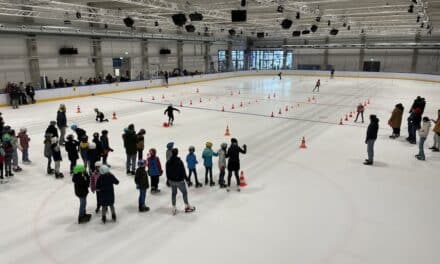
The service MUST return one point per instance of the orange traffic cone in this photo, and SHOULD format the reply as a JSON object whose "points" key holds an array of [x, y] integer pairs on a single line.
{"points": [[242, 180], [232, 93], [200, 99], [346, 117], [279, 112], [239, 92], [340, 122], [190, 102], [114, 116], [313, 98], [181, 104], [268, 97], [274, 95], [233, 107], [78, 110], [351, 114], [152, 98], [227, 133], [303, 143], [165, 124], [223, 108], [163, 96], [308, 99], [241, 104], [287, 108], [271, 115], [197, 90]]}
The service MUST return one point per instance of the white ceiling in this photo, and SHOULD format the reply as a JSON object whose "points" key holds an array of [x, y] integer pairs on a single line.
{"points": [[386, 18]]}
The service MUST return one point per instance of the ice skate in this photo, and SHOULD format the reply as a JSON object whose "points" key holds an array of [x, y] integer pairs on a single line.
{"points": [[419, 157], [212, 184], [114, 217], [50, 171], [190, 184], [238, 189], [368, 162], [174, 210], [104, 219], [143, 209], [198, 185], [189, 209]]}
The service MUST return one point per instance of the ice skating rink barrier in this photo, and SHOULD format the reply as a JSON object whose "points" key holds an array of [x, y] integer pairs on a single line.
{"points": [[81, 91]]}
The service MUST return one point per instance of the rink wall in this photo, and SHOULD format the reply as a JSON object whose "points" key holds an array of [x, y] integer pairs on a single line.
{"points": [[82, 91]]}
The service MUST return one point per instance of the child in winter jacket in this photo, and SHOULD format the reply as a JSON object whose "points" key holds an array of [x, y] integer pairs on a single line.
{"points": [[191, 161], [24, 139], [71, 146], [81, 182], [98, 145], [57, 158], [154, 170], [140, 143], [423, 134], [436, 146], [14, 144], [141, 180], [2, 160], [360, 111], [92, 156], [93, 180], [222, 164], [48, 152], [207, 155], [105, 147], [104, 185], [233, 154], [83, 150], [168, 155]]}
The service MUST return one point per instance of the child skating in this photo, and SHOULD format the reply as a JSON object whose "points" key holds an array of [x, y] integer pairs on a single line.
{"points": [[81, 182], [222, 164], [104, 186], [191, 161], [233, 154], [317, 85], [207, 155], [100, 116], [170, 111], [142, 184], [72, 147], [154, 170], [24, 140]]}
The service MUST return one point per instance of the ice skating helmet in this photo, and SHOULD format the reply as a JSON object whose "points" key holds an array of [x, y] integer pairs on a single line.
{"points": [[175, 152], [152, 152], [104, 132], [141, 163], [73, 127], [126, 130], [234, 140], [142, 131], [170, 145], [98, 164], [209, 144], [104, 169], [92, 145], [62, 107], [224, 145], [131, 127], [54, 140], [52, 123], [96, 110], [191, 149], [79, 169], [96, 134]]}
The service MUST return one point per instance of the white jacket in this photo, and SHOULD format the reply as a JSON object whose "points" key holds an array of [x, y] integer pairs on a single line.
{"points": [[424, 130]]}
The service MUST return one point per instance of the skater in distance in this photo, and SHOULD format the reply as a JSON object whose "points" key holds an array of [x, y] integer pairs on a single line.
{"points": [[170, 111]]}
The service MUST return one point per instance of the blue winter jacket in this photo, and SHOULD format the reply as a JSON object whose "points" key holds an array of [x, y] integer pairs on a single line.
{"points": [[207, 157], [191, 160]]}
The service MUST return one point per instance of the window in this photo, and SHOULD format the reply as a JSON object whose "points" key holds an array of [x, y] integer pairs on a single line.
{"points": [[237, 60], [222, 65], [270, 59]]}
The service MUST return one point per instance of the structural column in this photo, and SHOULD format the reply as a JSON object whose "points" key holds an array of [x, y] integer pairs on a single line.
{"points": [[97, 57], [248, 54], [362, 54], [229, 57], [284, 54], [34, 64], [207, 57], [180, 55], [325, 57], [415, 55], [145, 59]]}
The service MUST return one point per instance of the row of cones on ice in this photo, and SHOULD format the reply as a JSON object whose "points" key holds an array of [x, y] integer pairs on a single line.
{"points": [[78, 111], [351, 114]]}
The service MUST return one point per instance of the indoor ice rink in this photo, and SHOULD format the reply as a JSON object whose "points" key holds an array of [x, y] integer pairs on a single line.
{"points": [[307, 193]]}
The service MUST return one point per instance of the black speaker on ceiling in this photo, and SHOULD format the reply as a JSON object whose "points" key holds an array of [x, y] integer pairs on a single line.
{"points": [[190, 28], [179, 19], [305, 32], [334, 32], [68, 51], [164, 51], [260, 34], [128, 21], [156, 24], [232, 32], [238, 15], [314, 28], [78, 15], [286, 23], [196, 16], [298, 15], [318, 19], [243, 3], [296, 33]]}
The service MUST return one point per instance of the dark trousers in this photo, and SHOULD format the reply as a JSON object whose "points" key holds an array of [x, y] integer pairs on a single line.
{"points": [[221, 178], [208, 170], [1, 170], [236, 177], [190, 172], [8, 167], [412, 129], [154, 182], [142, 197], [72, 165], [396, 131], [140, 154], [104, 159], [362, 115]]}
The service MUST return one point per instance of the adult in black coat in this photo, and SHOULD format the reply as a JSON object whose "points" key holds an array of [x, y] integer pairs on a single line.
{"points": [[176, 176], [372, 130], [130, 139], [104, 186], [170, 111], [233, 154], [81, 182], [80, 133], [62, 122], [30, 91], [52, 130]]}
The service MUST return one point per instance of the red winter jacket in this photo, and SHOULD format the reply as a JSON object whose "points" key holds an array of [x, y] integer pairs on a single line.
{"points": [[24, 140]]}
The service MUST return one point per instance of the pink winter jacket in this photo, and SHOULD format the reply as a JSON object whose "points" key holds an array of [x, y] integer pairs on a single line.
{"points": [[24, 140], [94, 180]]}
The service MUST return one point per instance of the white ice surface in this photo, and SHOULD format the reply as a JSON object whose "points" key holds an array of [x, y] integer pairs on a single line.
{"points": [[314, 205]]}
